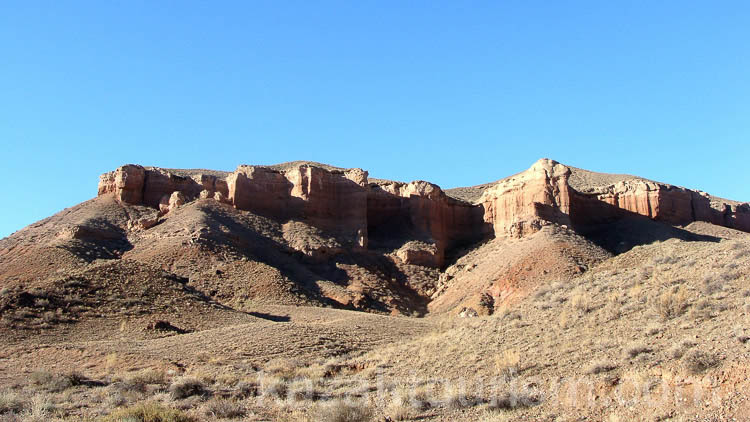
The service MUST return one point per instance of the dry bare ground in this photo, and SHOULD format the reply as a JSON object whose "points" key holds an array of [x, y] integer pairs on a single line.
{"points": [[657, 333]]}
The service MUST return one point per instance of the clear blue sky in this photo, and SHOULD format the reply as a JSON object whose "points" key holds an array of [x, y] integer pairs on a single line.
{"points": [[457, 93]]}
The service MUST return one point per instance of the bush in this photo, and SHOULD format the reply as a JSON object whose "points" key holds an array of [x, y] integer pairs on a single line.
{"points": [[678, 350], [55, 383], [636, 349], [148, 412], [185, 387], [671, 303], [224, 409], [697, 361], [508, 364], [10, 402], [343, 411], [600, 367]]}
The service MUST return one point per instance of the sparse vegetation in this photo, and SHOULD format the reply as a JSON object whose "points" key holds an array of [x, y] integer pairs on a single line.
{"points": [[148, 412], [671, 303], [344, 411], [508, 364], [697, 361], [223, 408], [600, 367], [185, 387]]}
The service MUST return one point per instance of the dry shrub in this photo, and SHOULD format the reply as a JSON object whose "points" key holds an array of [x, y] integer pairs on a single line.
{"points": [[223, 409], [508, 363], [565, 320], [146, 377], [275, 387], [678, 350], [185, 387], [10, 402], [148, 412], [283, 368], [344, 411], [245, 389], [457, 398], [601, 367], [702, 309], [697, 361], [509, 400], [671, 303], [581, 301], [636, 349], [55, 382], [397, 410]]}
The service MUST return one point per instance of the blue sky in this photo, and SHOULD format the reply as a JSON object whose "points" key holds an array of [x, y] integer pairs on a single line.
{"points": [[457, 93]]}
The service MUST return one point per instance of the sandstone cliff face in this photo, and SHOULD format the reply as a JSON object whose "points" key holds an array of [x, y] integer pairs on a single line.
{"points": [[522, 204], [342, 204], [393, 216], [661, 202]]}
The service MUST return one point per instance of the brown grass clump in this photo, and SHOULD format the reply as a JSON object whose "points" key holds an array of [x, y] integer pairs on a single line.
{"points": [[185, 387], [581, 301], [55, 383], [600, 367], [671, 303], [148, 412], [344, 411], [697, 361], [636, 349], [679, 350], [224, 409], [508, 363], [10, 402]]}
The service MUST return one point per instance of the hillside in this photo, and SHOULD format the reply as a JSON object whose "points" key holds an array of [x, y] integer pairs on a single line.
{"points": [[260, 282]]}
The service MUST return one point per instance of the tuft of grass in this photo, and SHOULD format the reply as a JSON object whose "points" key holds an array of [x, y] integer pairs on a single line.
{"points": [[344, 411], [600, 367], [671, 303], [508, 364], [185, 387], [55, 383], [148, 412], [679, 350], [636, 349], [581, 301], [10, 402], [223, 409], [697, 361]]}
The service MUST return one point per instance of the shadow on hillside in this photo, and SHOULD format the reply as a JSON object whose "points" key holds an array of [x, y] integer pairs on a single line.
{"points": [[270, 317], [617, 230]]}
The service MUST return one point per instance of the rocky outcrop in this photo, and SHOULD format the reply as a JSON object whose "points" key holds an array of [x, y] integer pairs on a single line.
{"points": [[522, 204], [658, 201], [343, 204], [421, 210], [126, 183], [541, 195]]}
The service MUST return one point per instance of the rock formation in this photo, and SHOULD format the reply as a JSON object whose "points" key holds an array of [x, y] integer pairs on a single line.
{"points": [[417, 220]]}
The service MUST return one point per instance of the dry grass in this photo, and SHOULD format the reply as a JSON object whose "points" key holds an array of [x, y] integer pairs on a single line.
{"points": [[148, 412], [636, 349], [671, 303], [697, 361], [508, 364], [224, 409], [344, 411], [581, 300], [185, 387], [11, 402], [600, 367]]}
